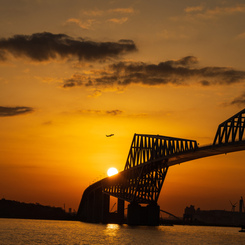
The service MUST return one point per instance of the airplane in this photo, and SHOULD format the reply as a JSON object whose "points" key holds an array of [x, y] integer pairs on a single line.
{"points": [[109, 135]]}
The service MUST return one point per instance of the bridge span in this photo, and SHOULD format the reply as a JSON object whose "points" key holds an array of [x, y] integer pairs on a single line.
{"points": [[146, 167]]}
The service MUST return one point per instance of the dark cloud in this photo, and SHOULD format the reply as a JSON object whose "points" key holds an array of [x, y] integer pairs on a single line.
{"points": [[114, 112], [46, 46], [102, 112], [240, 100], [178, 72], [14, 111], [2, 55], [205, 83], [47, 123], [75, 80]]}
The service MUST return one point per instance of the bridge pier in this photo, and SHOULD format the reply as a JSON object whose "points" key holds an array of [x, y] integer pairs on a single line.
{"points": [[138, 215], [105, 209], [95, 208], [120, 211], [107, 216]]}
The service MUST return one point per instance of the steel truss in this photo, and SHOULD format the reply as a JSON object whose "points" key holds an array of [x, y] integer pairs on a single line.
{"points": [[145, 170], [231, 130]]}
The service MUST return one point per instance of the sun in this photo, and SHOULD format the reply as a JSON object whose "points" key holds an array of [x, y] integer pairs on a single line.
{"points": [[112, 171]]}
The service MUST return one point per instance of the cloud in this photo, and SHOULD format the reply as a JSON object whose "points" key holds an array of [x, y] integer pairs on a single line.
{"points": [[96, 93], [194, 9], [239, 8], [240, 100], [93, 12], [118, 21], [177, 72], [83, 24], [102, 112], [75, 80], [109, 11], [47, 46], [205, 83], [2, 55], [47, 123], [114, 112], [122, 10], [96, 18], [173, 35], [209, 13], [14, 111], [241, 36]]}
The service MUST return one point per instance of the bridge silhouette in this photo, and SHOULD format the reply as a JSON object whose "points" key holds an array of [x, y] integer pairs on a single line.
{"points": [[147, 164]]}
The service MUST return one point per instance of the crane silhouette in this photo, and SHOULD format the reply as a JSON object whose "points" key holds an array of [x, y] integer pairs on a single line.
{"points": [[233, 206]]}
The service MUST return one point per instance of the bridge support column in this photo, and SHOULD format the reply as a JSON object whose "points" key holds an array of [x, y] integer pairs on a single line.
{"points": [[90, 208], [120, 211], [107, 216], [153, 214], [93, 207], [138, 215], [133, 217], [105, 208], [97, 206]]}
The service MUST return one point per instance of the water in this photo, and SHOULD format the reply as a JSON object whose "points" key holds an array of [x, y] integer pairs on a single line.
{"points": [[19, 231]]}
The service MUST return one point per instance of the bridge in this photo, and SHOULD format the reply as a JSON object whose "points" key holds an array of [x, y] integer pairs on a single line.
{"points": [[147, 164]]}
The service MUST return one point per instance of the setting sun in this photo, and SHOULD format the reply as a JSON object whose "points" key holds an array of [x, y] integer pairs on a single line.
{"points": [[112, 171]]}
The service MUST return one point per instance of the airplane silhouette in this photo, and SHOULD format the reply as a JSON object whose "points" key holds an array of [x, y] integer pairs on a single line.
{"points": [[109, 135]]}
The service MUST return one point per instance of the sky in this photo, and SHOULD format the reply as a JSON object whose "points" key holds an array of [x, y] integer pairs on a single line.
{"points": [[73, 71]]}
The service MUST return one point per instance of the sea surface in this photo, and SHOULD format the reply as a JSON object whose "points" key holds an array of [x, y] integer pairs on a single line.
{"points": [[20, 231]]}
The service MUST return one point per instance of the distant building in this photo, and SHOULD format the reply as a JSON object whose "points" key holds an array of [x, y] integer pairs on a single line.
{"points": [[189, 214], [213, 217]]}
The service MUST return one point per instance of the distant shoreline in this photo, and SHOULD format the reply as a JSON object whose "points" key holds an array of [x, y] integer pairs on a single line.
{"points": [[10, 209], [21, 210]]}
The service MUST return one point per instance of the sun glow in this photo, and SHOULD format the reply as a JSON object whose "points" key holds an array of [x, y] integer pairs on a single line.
{"points": [[112, 171]]}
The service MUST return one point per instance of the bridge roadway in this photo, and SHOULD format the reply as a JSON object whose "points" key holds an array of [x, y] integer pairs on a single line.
{"points": [[148, 161], [205, 151], [178, 158]]}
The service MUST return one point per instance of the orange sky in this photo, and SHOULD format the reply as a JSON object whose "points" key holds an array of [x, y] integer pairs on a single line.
{"points": [[73, 71]]}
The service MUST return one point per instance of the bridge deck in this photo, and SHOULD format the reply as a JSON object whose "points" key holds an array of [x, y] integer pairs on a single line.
{"points": [[205, 151], [201, 152]]}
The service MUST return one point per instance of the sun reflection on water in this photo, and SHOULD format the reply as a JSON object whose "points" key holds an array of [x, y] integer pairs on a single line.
{"points": [[111, 229]]}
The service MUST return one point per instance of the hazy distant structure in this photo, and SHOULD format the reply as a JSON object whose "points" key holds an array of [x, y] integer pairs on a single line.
{"points": [[241, 205], [214, 217], [189, 214], [233, 206], [145, 170]]}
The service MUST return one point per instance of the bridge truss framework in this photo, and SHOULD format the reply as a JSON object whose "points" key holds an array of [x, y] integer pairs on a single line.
{"points": [[145, 170]]}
